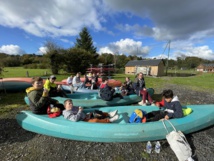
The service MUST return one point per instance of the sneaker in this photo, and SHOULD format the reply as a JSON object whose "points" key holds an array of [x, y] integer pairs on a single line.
{"points": [[114, 118], [113, 113], [152, 104], [141, 103]]}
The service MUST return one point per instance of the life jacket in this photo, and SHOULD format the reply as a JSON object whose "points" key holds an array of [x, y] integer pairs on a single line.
{"points": [[138, 116]]}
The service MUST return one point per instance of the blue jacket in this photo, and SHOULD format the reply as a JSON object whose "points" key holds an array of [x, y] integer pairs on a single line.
{"points": [[173, 108]]}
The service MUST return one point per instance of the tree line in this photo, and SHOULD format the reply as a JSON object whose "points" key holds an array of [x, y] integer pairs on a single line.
{"points": [[82, 56]]}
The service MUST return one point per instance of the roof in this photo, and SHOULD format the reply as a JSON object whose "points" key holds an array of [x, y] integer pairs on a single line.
{"points": [[208, 65], [151, 62]]}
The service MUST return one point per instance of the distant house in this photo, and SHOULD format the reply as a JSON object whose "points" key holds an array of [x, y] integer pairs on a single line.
{"points": [[205, 68], [154, 67]]}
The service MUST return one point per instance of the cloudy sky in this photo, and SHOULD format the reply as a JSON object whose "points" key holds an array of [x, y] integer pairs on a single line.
{"points": [[131, 27]]}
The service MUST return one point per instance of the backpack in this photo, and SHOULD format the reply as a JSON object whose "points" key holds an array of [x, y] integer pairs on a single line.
{"points": [[178, 144], [106, 94], [138, 116]]}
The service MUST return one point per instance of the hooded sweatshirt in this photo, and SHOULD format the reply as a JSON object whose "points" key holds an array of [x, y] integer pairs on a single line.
{"points": [[38, 102], [74, 114], [173, 108]]}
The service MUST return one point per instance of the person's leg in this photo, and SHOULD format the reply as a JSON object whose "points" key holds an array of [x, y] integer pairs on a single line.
{"points": [[105, 114], [149, 97], [99, 120], [156, 115], [143, 93]]}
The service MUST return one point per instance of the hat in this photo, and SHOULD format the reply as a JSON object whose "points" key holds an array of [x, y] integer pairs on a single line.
{"points": [[52, 77]]}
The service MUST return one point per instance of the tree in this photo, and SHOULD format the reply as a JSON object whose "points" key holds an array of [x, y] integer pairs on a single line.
{"points": [[85, 42], [76, 60], [54, 54], [122, 60], [106, 58]]}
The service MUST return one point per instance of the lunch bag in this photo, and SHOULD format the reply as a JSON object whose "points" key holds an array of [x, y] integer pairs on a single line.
{"points": [[138, 116], [178, 143]]}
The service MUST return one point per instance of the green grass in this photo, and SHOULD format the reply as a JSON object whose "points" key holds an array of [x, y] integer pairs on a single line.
{"points": [[200, 82], [11, 101], [22, 72]]}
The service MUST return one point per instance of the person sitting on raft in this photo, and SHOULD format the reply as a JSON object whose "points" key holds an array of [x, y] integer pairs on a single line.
{"points": [[54, 89], [74, 113], [173, 108], [39, 99]]}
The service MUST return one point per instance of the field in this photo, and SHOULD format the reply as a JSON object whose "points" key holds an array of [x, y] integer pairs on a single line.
{"points": [[19, 144], [199, 81]]}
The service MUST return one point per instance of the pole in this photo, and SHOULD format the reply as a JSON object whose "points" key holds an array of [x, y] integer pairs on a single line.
{"points": [[167, 63]]}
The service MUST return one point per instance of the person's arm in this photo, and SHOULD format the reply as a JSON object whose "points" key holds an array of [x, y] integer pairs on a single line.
{"points": [[47, 85], [37, 100], [69, 81], [73, 117], [178, 113]]}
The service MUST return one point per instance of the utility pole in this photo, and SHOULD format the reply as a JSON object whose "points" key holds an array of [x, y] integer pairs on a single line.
{"points": [[167, 63]]}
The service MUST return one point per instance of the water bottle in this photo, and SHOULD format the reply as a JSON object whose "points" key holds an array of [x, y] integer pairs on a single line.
{"points": [[149, 147], [157, 147]]}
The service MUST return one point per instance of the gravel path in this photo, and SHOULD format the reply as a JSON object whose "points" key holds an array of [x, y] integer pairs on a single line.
{"points": [[18, 144]]}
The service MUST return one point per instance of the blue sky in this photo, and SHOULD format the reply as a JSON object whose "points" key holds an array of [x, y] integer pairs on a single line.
{"points": [[138, 27]]}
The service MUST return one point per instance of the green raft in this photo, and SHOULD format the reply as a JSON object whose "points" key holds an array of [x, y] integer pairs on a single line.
{"points": [[120, 131]]}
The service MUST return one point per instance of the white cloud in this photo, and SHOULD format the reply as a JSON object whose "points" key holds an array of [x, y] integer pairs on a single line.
{"points": [[11, 49], [42, 50], [203, 52], [50, 17], [126, 46], [170, 19]]}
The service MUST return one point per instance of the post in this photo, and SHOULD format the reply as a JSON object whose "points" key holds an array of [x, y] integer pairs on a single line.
{"points": [[46, 73], [167, 58], [27, 74]]}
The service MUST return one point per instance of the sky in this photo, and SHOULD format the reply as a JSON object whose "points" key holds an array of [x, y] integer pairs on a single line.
{"points": [[146, 28]]}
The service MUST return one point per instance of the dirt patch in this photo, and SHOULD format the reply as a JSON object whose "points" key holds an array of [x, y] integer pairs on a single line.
{"points": [[18, 144]]}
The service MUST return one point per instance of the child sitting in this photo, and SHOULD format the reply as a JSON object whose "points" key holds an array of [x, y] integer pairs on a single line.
{"points": [[173, 108], [74, 113], [106, 92], [39, 98]]}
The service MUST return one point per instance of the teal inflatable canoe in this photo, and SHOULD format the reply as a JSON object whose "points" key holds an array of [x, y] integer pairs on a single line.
{"points": [[87, 100], [119, 131]]}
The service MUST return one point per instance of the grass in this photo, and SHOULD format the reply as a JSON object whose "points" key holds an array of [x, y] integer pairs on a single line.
{"points": [[199, 82], [10, 72], [11, 101]]}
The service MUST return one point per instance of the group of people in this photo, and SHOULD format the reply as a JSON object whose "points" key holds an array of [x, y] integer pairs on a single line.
{"points": [[138, 87], [90, 81], [40, 99]]}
